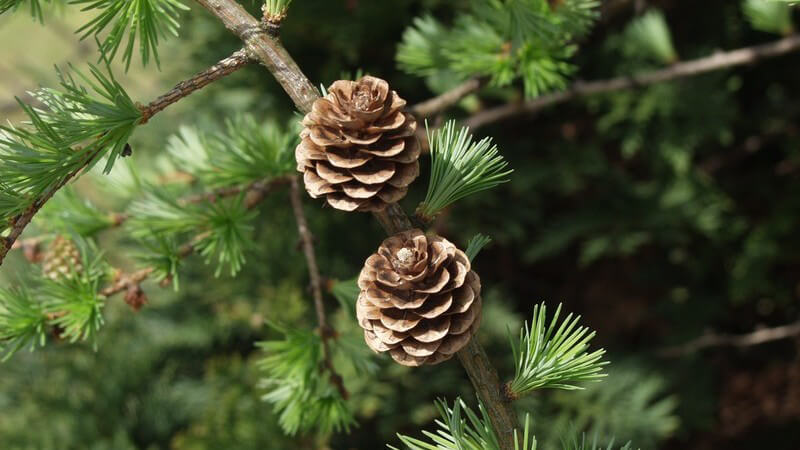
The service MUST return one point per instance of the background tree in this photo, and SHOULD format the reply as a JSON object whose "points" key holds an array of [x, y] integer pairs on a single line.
{"points": [[631, 203]]}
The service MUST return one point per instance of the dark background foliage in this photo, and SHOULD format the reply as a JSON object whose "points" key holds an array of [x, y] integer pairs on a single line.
{"points": [[657, 213]]}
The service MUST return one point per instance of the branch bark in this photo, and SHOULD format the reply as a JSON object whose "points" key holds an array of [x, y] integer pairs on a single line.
{"points": [[742, 340], [441, 102], [716, 61], [183, 89], [269, 50]]}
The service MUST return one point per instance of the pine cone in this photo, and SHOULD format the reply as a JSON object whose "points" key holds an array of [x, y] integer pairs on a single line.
{"points": [[419, 299], [359, 148], [61, 259]]}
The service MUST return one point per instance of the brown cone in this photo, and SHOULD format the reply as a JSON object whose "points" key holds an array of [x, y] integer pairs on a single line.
{"points": [[419, 300], [62, 259], [358, 147]]}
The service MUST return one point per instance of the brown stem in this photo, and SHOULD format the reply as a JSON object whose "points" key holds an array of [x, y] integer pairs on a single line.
{"points": [[307, 240], [741, 340], [271, 53], [441, 102], [326, 331], [183, 89], [716, 61], [255, 192]]}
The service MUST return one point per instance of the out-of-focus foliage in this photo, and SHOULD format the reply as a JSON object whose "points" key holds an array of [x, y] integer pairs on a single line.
{"points": [[504, 40], [769, 15]]}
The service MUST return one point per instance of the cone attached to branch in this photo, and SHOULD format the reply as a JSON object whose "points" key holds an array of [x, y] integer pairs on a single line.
{"points": [[62, 259], [358, 148], [420, 301]]}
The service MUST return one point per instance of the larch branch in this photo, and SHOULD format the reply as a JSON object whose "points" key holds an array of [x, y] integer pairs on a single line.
{"points": [[717, 61], [219, 70], [441, 102], [710, 340]]}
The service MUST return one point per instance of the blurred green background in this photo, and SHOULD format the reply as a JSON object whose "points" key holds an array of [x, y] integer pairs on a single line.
{"points": [[658, 214]]}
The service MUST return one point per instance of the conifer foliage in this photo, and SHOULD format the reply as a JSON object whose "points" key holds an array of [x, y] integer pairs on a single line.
{"points": [[418, 299]]}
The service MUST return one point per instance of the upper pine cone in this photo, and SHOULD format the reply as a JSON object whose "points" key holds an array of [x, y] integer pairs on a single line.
{"points": [[358, 147], [419, 299]]}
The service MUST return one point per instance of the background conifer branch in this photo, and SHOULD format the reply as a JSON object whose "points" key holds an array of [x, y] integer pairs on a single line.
{"points": [[716, 61], [449, 98], [711, 340]]}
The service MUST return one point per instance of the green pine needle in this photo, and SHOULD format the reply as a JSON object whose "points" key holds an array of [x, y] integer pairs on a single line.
{"points": [[346, 292], [769, 15], [151, 20], [69, 211], [230, 226], [248, 151], [554, 356], [300, 393], [36, 7], [22, 321], [275, 10], [220, 230], [163, 254], [476, 244], [70, 303], [78, 125], [502, 41], [649, 35], [460, 428], [460, 167], [74, 302]]}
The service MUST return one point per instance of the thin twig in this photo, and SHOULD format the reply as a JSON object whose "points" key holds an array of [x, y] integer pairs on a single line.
{"points": [[254, 191], [200, 80], [307, 239], [219, 70], [733, 340], [441, 102], [716, 61], [270, 52]]}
